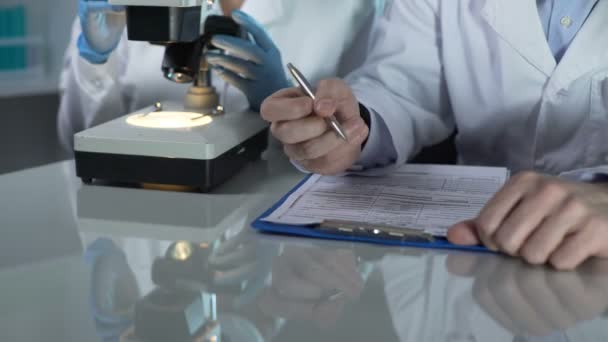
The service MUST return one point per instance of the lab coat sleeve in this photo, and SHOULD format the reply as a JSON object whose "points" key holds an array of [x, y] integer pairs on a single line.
{"points": [[402, 81], [591, 175], [91, 94], [379, 149]]}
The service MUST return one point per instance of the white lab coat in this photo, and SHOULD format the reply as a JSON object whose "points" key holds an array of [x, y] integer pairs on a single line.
{"points": [[485, 67], [308, 33]]}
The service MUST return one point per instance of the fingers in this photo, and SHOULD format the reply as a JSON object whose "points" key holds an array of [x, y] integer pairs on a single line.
{"points": [[300, 130], [542, 219], [484, 292], [331, 165], [241, 67], [464, 233], [289, 284], [344, 263], [577, 299], [579, 246], [464, 264], [293, 92], [332, 89], [525, 217], [496, 210], [233, 78], [285, 105], [513, 300], [533, 300], [235, 275], [340, 159], [317, 147], [239, 47], [550, 234], [256, 30], [534, 285], [335, 97], [308, 274]]}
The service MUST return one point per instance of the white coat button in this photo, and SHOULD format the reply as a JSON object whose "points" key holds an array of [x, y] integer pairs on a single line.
{"points": [[566, 21]]}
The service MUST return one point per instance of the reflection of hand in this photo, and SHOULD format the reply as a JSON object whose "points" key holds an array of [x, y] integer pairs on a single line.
{"points": [[542, 219], [531, 300], [234, 260], [312, 284]]}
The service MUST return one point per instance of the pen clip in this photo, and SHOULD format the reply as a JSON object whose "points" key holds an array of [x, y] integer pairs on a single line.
{"points": [[379, 231]]}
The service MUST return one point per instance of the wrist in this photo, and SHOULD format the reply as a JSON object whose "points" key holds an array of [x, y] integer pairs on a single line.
{"points": [[89, 53]]}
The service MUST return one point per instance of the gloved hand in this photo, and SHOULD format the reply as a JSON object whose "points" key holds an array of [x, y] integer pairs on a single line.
{"points": [[102, 26], [253, 66]]}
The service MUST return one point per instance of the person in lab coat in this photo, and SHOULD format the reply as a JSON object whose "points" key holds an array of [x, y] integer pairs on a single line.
{"points": [[106, 76], [525, 83]]}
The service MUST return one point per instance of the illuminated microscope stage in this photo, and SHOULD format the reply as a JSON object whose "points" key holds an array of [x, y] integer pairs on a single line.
{"points": [[172, 146]]}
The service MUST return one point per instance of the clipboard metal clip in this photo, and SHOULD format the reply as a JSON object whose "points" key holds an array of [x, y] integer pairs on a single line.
{"points": [[377, 231]]}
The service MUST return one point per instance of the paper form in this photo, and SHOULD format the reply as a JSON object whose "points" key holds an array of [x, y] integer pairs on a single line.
{"points": [[426, 197]]}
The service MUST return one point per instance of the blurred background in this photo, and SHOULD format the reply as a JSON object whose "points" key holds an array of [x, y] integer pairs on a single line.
{"points": [[33, 38]]}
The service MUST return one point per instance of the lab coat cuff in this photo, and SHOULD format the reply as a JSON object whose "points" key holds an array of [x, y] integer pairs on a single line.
{"points": [[371, 95], [303, 170], [298, 166], [597, 174], [367, 158], [378, 155]]}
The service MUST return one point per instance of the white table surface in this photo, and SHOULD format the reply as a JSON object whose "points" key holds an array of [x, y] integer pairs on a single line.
{"points": [[267, 288]]}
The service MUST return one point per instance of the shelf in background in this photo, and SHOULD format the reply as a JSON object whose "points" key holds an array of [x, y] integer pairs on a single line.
{"points": [[32, 40], [48, 33], [19, 88]]}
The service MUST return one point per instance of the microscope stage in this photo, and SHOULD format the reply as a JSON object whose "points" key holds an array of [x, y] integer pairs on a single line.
{"points": [[173, 146]]}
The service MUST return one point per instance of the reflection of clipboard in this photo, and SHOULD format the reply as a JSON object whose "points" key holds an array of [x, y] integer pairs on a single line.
{"points": [[352, 231]]}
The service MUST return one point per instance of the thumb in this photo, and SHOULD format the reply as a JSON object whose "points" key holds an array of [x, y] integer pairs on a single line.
{"points": [[335, 97], [464, 233]]}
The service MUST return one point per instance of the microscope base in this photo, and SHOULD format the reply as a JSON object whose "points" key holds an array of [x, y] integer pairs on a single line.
{"points": [[201, 174]]}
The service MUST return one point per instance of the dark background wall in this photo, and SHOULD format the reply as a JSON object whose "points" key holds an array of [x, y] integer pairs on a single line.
{"points": [[28, 136]]}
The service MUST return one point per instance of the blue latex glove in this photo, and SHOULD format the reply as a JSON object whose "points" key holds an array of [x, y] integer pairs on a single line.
{"points": [[102, 26], [253, 66]]}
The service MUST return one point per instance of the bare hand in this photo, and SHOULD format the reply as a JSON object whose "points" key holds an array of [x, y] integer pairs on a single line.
{"points": [[298, 122], [542, 219]]}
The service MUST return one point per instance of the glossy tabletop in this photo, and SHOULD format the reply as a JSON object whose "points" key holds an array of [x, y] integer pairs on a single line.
{"points": [[106, 263]]}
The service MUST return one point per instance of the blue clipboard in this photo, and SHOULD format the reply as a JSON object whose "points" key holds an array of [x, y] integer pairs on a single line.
{"points": [[308, 231]]}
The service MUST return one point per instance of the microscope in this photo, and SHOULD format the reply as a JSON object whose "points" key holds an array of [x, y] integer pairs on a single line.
{"points": [[189, 303], [195, 143]]}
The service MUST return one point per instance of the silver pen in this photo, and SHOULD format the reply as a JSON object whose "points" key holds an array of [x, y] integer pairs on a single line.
{"points": [[305, 86]]}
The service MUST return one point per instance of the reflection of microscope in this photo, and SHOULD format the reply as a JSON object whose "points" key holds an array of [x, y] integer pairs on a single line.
{"points": [[174, 310], [186, 304], [193, 143]]}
